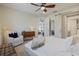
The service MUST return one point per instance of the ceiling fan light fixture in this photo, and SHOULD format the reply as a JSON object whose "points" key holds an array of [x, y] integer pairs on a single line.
{"points": [[42, 8], [45, 10]]}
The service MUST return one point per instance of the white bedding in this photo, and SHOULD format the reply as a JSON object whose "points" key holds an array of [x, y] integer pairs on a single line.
{"points": [[53, 47], [75, 49]]}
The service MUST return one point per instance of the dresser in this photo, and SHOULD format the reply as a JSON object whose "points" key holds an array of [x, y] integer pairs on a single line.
{"points": [[28, 35]]}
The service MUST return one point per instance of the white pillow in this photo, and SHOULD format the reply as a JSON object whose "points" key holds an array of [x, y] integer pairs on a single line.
{"points": [[75, 39], [37, 42], [68, 40], [67, 43], [75, 49]]}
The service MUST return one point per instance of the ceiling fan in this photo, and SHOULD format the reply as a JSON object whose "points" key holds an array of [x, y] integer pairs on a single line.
{"points": [[43, 6]]}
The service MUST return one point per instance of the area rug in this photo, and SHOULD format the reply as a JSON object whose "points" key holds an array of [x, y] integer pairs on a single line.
{"points": [[7, 50]]}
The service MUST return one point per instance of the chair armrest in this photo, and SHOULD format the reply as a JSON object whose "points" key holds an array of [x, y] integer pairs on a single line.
{"points": [[21, 37]]}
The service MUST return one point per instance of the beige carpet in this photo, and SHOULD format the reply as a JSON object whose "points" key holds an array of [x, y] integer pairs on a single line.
{"points": [[20, 50]]}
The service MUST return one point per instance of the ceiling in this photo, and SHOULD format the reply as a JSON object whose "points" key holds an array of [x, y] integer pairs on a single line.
{"points": [[27, 7]]}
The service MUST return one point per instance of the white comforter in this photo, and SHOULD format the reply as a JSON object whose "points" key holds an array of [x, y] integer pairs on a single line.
{"points": [[75, 50], [53, 47]]}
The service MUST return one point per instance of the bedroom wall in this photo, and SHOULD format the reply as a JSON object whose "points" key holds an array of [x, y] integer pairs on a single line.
{"points": [[59, 17], [13, 20], [0, 28], [46, 20]]}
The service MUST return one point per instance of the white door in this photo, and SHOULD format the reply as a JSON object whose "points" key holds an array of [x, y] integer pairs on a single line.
{"points": [[72, 25]]}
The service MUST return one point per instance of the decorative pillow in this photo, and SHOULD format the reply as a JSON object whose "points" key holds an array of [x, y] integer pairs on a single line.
{"points": [[66, 43], [75, 49], [13, 35], [69, 40], [75, 39], [38, 42]]}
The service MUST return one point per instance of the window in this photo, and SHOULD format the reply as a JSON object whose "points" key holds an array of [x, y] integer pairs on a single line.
{"points": [[41, 27]]}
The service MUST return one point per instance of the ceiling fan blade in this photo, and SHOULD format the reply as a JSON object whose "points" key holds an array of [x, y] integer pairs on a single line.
{"points": [[43, 4], [50, 6], [37, 9], [35, 4]]}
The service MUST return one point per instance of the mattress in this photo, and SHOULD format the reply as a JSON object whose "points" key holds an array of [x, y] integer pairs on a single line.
{"points": [[53, 47]]}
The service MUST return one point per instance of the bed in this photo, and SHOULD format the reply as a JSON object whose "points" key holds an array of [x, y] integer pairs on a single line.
{"points": [[53, 47]]}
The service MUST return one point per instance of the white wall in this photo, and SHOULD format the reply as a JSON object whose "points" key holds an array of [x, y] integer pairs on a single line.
{"points": [[46, 26], [19, 21], [0, 36], [0, 28], [58, 17], [58, 26], [14, 20], [50, 17]]}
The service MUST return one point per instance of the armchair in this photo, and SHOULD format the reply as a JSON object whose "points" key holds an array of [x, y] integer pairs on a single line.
{"points": [[15, 41]]}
